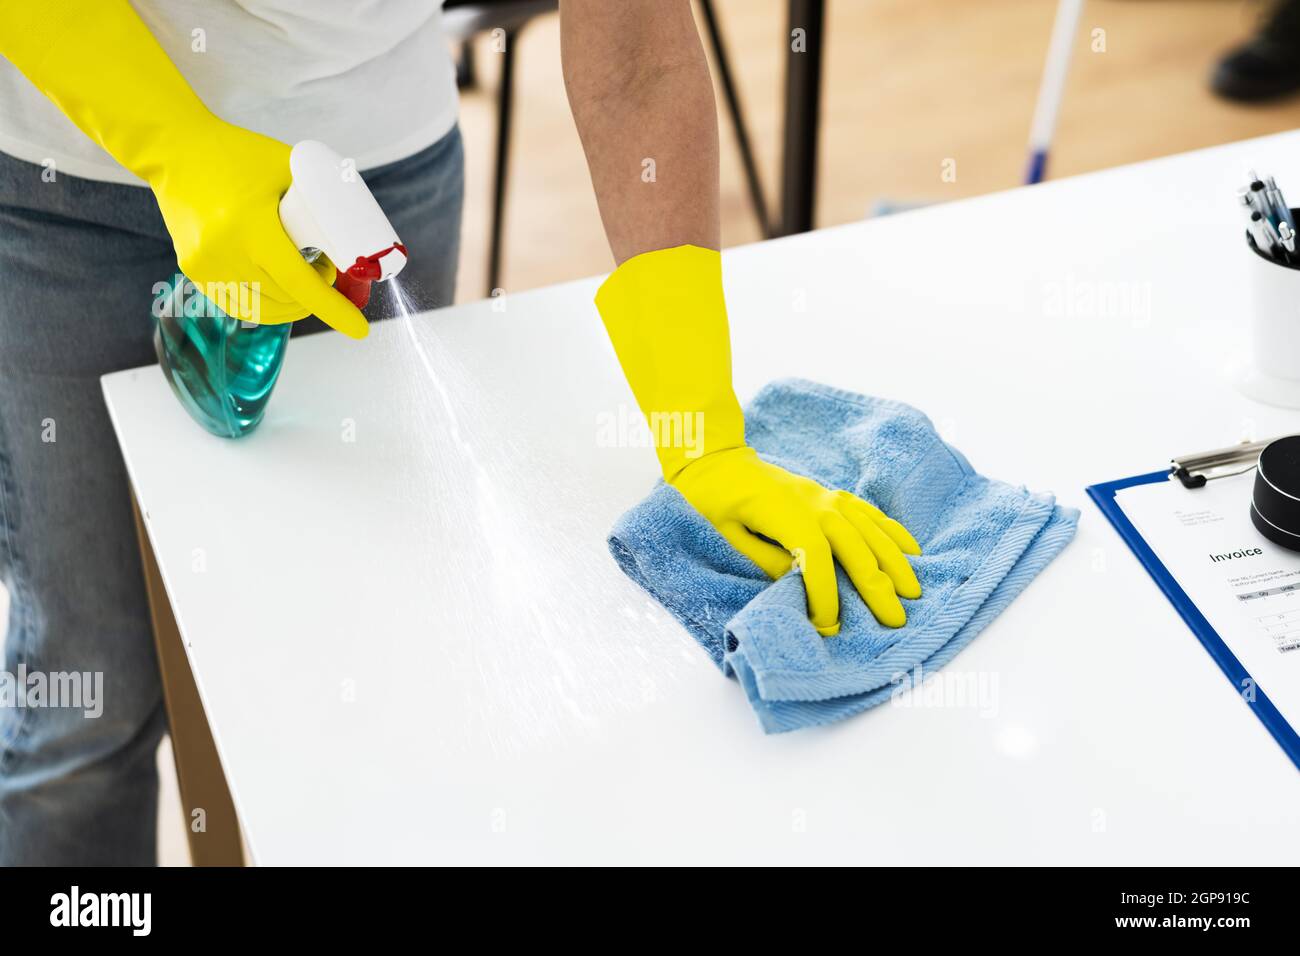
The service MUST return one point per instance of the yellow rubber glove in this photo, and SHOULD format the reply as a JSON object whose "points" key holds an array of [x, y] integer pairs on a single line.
{"points": [[218, 186], [667, 320]]}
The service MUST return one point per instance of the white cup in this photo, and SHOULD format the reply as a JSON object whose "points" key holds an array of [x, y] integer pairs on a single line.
{"points": [[1273, 374]]}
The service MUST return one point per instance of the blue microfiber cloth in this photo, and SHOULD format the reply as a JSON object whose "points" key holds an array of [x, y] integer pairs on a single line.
{"points": [[983, 542]]}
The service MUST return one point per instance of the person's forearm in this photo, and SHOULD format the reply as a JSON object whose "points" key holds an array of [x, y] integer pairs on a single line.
{"points": [[642, 99], [66, 49]]}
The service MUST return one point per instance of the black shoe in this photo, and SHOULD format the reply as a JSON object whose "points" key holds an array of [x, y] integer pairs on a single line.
{"points": [[1267, 66]]}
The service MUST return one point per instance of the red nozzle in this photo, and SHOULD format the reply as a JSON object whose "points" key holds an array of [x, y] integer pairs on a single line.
{"points": [[354, 281], [357, 291]]}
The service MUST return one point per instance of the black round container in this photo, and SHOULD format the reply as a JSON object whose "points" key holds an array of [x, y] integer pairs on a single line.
{"points": [[1275, 505]]}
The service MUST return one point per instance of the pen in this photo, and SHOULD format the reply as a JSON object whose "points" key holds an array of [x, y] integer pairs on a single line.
{"points": [[1288, 237], [1247, 199], [1283, 210], [1271, 226], [1266, 238], [1279, 202], [1259, 194], [1270, 233]]}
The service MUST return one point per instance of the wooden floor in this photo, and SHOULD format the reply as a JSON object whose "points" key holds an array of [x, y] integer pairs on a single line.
{"points": [[908, 84]]}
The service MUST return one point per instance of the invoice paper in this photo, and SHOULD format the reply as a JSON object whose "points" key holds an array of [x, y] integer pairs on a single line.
{"points": [[1247, 587]]}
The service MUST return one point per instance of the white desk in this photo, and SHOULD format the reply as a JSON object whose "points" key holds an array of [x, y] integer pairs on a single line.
{"points": [[386, 684]]}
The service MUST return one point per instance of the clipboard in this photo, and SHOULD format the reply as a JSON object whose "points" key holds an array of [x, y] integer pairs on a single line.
{"points": [[1194, 471]]}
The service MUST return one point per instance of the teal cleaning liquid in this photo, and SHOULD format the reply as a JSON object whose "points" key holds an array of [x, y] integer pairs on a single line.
{"points": [[223, 371]]}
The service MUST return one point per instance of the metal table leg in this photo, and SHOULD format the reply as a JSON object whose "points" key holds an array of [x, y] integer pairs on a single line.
{"points": [[803, 80]]}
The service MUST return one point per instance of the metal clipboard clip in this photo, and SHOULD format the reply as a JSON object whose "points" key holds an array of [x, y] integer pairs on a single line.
{"points": [[1195, 470]]}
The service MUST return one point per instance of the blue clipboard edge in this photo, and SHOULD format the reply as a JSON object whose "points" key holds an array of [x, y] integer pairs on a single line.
{"points": [[1103, 496]]}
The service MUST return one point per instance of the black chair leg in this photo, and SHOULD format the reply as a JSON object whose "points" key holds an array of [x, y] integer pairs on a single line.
{"points": [[803, 82], [466, 75], [505, 103], [737, 115]]}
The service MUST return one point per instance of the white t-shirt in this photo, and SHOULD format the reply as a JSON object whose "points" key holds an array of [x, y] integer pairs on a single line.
{"points": [[371, 78]]}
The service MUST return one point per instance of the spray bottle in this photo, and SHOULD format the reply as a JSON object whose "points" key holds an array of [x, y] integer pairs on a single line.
{"points": [[223, 370]]}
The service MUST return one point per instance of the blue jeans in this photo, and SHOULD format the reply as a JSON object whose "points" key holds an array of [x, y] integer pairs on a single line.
{"points": [[78, 262]]}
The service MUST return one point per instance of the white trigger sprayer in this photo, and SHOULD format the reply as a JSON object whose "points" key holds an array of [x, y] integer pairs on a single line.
{"points": [[222, 370], [329, 209]]}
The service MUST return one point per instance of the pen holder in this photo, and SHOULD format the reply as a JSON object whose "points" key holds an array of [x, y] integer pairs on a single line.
{"points": [[1272, 375]]}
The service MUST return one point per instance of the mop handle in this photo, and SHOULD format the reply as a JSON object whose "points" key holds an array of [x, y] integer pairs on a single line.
{"points": [[1052, 88]]}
